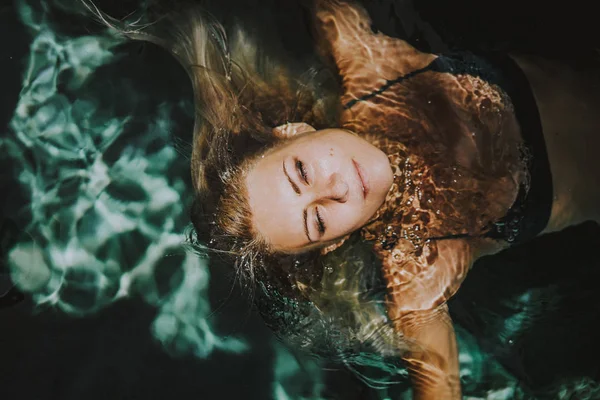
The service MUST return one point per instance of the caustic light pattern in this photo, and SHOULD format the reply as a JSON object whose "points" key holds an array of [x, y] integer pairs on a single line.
{"points": [[108, 199]]}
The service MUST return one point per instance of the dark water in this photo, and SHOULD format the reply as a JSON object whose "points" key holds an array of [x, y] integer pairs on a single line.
{"points": [[532, 310]]}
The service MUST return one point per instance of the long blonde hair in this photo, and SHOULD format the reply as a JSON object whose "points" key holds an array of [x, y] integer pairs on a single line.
{"points": [[241, 92], [244, 86]]}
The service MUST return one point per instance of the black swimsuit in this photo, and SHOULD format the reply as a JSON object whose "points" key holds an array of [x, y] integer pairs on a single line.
{"points": [[530, 212]]}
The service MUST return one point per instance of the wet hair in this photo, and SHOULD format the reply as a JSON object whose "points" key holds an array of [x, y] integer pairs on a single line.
{"points": [[241, 92], [245, 83], [334, 304]]}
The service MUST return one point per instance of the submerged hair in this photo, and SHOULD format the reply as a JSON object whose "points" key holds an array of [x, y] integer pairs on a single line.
{"points": [[332, 305], [242, 90]]}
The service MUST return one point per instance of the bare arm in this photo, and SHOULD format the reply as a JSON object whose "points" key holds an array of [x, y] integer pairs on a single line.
{"points": [[344, 32], [433, 365], [418, 291], [366, 62]]}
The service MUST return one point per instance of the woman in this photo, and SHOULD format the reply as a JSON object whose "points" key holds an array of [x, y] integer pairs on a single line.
{"points": [[432, 161]]}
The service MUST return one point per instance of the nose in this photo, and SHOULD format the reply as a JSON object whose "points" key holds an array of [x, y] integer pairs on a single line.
{"points": [[336, 188]]}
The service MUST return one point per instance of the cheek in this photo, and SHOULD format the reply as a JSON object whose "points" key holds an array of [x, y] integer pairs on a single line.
{"points": [[346, 216]]}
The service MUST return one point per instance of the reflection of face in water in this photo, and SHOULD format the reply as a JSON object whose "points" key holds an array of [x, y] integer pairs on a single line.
{"points": [[318, 187]]}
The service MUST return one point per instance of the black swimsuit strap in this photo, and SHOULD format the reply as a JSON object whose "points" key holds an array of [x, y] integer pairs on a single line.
{"points": [[531, 210], [389, 83], [442, 63]]}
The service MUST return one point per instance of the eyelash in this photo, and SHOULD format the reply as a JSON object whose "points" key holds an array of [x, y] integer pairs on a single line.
{"points": [[320, 223], [304, 176], [302, 170]]}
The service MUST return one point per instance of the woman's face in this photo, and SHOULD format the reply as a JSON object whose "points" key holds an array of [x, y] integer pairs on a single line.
{"points": [[316, 189]]}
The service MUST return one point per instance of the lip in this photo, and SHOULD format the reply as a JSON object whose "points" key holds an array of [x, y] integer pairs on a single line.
{"points": [[362, 177]]}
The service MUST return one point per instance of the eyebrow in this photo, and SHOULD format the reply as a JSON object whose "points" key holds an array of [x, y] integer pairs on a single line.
{"points": [[294, 186], [305, 212], [305, 216]]}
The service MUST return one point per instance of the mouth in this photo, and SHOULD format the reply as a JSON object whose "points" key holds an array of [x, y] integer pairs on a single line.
{"points": [[362, 177]]}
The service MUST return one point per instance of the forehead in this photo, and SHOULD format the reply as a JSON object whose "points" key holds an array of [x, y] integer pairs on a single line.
{"points": [[277, 214]]}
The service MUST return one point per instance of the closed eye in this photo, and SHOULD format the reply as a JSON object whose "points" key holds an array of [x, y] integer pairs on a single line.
{"points": [[301, 168], [319, 222]]}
